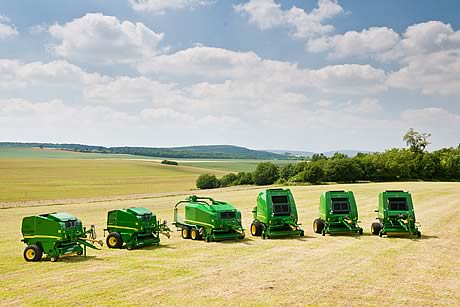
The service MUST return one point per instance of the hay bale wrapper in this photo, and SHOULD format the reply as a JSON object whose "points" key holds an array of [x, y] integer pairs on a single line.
{"points": [[134, 227], [275, 215], [56, 234], [208, 219], [338, 213], [395, 214]]}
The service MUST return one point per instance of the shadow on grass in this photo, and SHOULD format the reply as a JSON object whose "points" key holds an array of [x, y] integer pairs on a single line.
{"points": [[75, 259], [154, 247]]}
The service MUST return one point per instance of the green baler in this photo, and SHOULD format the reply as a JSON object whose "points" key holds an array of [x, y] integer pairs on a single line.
{"points": [[337, 213], [395, 214], [56, 234], [275, 215], [134, 227], [209, 219]]}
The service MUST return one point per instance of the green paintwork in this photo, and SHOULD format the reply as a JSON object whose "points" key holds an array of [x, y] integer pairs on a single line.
{"points": [[214, 220], [396, 213], [276, 213], [338, 212], [137, 226], [57, 234]]}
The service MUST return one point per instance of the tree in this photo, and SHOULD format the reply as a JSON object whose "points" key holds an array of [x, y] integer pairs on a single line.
{"points": [[287, 171], [265, 173], [228, 180], [416, 141], [245, 178], [207, 181], [313, 173]]}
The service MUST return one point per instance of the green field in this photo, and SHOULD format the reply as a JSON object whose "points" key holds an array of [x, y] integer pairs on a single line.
{"points": [[329, 271], [44, 179]]}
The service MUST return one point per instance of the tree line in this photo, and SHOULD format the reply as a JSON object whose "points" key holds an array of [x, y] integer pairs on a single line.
{"points": [[397, 164]]}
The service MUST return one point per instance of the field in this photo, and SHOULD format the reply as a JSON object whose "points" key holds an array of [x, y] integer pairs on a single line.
{"points": [[330, 270], [29, 174]]}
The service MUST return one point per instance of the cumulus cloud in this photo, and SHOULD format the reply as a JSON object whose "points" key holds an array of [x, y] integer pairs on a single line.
{"points": [[267, 14], [430, 57], [7, 30], [97, 38], [218, 65], [161, 6], [368, 42]]}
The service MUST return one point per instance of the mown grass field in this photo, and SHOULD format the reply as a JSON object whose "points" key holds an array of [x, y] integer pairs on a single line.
{"points": [[40, 179], [330, 270]]}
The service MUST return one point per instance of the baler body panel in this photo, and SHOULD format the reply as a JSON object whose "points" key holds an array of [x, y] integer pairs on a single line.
{"points": [[55, 233], [338, 212], [137, 226], [215, 220], [396, 213], [276, 212]]}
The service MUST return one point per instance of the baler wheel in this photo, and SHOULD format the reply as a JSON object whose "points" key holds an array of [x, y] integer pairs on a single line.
{"points": [[361, 231], [375, 228], [194, 234], [419, 234], [114, 240], [256, 229], [185, 232], [54, 258], [318, 226], [33, 253]]}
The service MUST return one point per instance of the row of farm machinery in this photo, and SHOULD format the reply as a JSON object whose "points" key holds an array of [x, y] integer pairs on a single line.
{"points": [[275, 215]]}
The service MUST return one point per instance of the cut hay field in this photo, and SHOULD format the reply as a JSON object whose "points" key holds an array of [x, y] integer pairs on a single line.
{"points": [[330, 270], [43, 179]]}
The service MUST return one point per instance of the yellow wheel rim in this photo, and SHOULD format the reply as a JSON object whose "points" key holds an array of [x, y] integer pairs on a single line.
{"points": [[184, 232], [113, 241], [30, 254], [193, 235], [253, 229], [315, 227]]}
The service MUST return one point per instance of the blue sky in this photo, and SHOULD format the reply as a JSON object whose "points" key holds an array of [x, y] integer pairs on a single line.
{"points": [[304, 75]]}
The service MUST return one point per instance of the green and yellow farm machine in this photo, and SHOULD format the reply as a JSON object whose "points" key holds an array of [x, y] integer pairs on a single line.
{"points": [[275, 215], [208, 219], [56, 234], [134, 227], [395, 214], [337, 214]]}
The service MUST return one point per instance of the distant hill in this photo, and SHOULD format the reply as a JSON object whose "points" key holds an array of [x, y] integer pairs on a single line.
{"points": [[195, 152], [298, 153]]}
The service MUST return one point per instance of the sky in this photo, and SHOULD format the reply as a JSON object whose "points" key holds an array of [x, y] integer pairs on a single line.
{"points": [[264, 74]]}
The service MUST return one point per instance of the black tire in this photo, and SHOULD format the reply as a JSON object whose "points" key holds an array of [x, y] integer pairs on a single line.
{"points": [[114, 240], [375, 228], [194, 234], [302, 233], [79, 253], [419, 234], [318, 226], [256, 228], [33, 253], [185, 232], [361, 231]]}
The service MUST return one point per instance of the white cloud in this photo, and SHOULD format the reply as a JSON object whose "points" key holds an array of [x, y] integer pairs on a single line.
{"points": [[7, 30], [161, 6], [430, 57], [97, 38], [267, 14], [368, 42], [217, 65]]}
